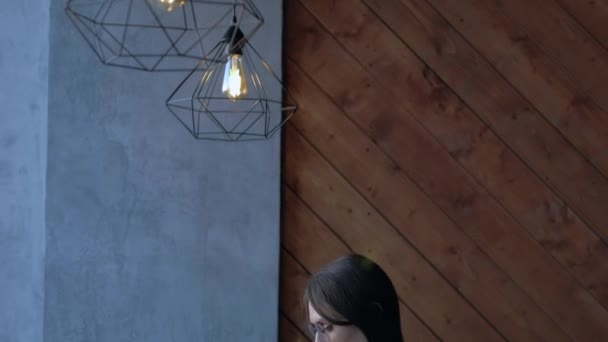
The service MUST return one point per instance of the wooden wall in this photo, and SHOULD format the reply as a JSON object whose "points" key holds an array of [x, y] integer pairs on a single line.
{"points": [[461, 144]]}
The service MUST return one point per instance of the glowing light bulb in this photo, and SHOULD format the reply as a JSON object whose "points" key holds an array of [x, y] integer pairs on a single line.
{"points": [[235, 82], [169, 5]]}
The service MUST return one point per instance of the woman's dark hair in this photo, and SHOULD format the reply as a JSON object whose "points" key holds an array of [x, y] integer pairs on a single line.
{"points": [[355, 290]]}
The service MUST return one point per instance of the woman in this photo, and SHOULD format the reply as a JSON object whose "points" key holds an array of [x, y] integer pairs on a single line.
{"points": [[353, 300]]}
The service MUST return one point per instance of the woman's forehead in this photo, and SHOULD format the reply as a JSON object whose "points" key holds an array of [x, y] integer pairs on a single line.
{"points": [[313, 315]]}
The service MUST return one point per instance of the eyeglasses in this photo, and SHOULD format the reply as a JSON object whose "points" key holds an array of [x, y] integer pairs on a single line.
{"points": [[320, 331]]}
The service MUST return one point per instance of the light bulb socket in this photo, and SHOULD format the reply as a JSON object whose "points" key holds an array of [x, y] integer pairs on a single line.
{"points": [[235, 39]]}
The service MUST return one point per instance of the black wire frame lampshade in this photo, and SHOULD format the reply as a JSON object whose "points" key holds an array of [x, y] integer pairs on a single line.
{"points": [[158, 35], [209, 114]]}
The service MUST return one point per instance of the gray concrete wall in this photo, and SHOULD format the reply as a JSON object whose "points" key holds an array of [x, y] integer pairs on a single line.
{"points": [[24, 51], [150, 234]]}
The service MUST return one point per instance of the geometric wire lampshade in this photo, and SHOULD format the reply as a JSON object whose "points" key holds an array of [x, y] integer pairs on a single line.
{"points": [[158, 35], [235, 97]]}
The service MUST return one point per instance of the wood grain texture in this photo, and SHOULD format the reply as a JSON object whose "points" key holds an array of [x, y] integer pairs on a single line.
{"points": [[523, 63], [519, 184], [552, 29], [590, 14], [405, 206], [471, 169], [351, 217], [288, 332]]}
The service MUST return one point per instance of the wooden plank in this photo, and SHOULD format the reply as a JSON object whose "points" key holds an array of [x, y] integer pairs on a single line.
{"points": [[475, 275], [314, 244], [366, 232], [293, 281], [288, 332], [469, 205], [557, 35], [544, 214], [583, 188], [519, 59], [592, 14], [304, 235]]}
